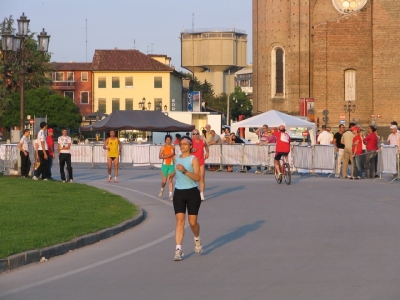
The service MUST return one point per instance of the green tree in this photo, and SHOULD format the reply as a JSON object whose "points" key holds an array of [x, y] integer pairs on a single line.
{"points": [[60, 111], [36, 64], [241, 105]]}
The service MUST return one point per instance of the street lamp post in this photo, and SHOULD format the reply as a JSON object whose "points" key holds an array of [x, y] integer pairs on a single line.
{"points": [[16, 43], [349, 108], [142, 105]]}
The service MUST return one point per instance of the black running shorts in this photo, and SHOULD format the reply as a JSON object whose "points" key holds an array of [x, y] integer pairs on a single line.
{"points": [[189, 198], [279, 155]]}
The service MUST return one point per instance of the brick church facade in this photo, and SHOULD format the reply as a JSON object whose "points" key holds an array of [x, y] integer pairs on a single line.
{"points": [[334, 51]]}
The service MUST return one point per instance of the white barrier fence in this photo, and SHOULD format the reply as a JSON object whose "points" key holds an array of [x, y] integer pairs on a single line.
{"points": [[312, 159]]}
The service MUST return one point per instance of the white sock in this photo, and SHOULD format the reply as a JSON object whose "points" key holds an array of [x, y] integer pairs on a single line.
{"points": [[170, 193], [201, 193], [197, 238], [178, 247], [162, 189]]}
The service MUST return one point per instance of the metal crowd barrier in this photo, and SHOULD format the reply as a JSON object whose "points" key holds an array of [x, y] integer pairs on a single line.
{"points": [[314, 159], [388, 162], [311, 159], [9, 158]]}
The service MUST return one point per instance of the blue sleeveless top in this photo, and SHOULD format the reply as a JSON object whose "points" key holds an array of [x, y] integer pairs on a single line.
{"points": [[183, 182]]}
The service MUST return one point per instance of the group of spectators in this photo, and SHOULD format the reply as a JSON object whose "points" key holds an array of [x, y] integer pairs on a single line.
{"points": [[357, 148], [44, 151]]}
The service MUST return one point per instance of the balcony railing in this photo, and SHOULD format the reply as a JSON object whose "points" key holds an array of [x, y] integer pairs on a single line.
{"points": [[64, 85]]}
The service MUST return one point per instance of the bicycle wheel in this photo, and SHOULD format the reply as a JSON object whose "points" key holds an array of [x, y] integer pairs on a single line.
{"points": [[278, 180], [288, 174]]}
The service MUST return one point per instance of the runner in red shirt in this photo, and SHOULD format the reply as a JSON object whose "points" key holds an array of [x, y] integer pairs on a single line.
{"points": [[282, 146], [198, 151]]}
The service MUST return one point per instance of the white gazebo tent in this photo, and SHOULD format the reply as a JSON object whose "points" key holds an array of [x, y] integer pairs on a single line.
{"points": [[274, 118]]}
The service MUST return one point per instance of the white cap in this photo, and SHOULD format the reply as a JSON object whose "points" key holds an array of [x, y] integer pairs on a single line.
{"points": [[393, 127]]}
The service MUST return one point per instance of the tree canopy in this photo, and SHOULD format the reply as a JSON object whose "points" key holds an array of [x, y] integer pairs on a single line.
{"points": [[60, 111], [36, 65]]}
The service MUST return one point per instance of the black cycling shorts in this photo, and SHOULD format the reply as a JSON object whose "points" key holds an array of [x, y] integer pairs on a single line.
{"points": [[187, 199], [279, 155]]}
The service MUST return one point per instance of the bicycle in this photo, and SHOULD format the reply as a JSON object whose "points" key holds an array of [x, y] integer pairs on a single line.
{"points": [[285, 170]]}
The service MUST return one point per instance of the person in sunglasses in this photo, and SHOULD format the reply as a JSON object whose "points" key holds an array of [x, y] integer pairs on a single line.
{"points": [[198, 151], [186, 196]]}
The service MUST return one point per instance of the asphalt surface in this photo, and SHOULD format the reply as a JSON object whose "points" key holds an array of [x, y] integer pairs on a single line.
{"points": [[319, 238]]}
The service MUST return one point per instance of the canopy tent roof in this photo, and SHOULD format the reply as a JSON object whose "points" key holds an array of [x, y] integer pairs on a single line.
{"points": [[95, 115], [138, 120], [273, 118]]}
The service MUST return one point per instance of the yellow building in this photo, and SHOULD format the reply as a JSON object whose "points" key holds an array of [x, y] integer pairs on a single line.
{"points": [[131, 80]]}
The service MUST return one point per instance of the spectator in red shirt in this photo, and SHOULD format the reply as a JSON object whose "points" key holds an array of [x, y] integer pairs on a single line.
{"points": [[371, 143], [50, 145], [282, 146], [357, 152]]}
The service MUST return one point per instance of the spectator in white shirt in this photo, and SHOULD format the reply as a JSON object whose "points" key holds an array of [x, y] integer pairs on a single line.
{"points": [[64, 154], [325, 137], [42, 155]]}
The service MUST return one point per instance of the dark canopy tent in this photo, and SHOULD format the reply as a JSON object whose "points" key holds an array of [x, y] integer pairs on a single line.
{"points": [[144, 120]]}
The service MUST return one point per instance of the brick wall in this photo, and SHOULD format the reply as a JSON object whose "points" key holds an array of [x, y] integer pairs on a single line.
{"points": [[320, 44]]}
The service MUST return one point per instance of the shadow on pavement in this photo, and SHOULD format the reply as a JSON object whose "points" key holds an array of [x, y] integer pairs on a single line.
{"points": [[235, 234], [223, 191]]}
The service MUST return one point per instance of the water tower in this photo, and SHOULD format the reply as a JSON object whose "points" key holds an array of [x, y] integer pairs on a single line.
{"points": [[213, 54]]}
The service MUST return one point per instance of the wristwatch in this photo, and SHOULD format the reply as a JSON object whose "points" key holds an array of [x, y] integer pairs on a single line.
{"points": [[184, 171]]}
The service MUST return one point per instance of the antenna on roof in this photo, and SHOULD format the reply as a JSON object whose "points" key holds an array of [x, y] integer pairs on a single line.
{"points": [[134, 44], [192, 22], [86, 40], [152, 48]]}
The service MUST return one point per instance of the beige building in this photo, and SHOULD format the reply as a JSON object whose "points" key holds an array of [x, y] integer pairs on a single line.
{"points": [[131, 80], [334, 51], [214, 55]]}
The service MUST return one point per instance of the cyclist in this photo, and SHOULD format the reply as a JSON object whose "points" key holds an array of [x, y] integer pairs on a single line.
{"points": [[282, 146]]}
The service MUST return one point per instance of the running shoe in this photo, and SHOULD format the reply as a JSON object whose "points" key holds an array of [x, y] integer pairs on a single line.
{"points": [[280, 176], [257, 172], [198, 248], [45, 179], [109, 179], [35, 178], [71, 180], [160, 193], [202, 196], [171, 198], [178, 255]]}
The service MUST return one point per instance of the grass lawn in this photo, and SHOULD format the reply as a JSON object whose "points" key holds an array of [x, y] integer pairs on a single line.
{"points": [[37, 214]]}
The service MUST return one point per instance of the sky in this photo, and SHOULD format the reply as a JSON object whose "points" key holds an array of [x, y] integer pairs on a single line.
{"points": [[150, 26]]}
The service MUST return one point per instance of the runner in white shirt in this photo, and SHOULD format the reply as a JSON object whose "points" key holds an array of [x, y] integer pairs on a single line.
{"points": [[64, 154]]}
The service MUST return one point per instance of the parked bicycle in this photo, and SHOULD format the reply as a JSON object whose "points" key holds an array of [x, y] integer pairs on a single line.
{"points": [[285, 170]]}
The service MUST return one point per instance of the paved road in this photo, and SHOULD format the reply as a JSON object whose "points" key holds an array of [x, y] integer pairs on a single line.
{"points": [[318, 238]]}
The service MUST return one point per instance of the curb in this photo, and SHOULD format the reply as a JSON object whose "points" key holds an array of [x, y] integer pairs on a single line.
{"points": [[31, 256]]}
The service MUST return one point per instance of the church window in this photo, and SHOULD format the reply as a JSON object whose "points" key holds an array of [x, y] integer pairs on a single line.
{"points": [[350, 85], [277, 72]]}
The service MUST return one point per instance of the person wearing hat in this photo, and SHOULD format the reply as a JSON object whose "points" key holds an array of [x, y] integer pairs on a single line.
{"points": [[394, 138], [282, 146], [50, 147]]}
